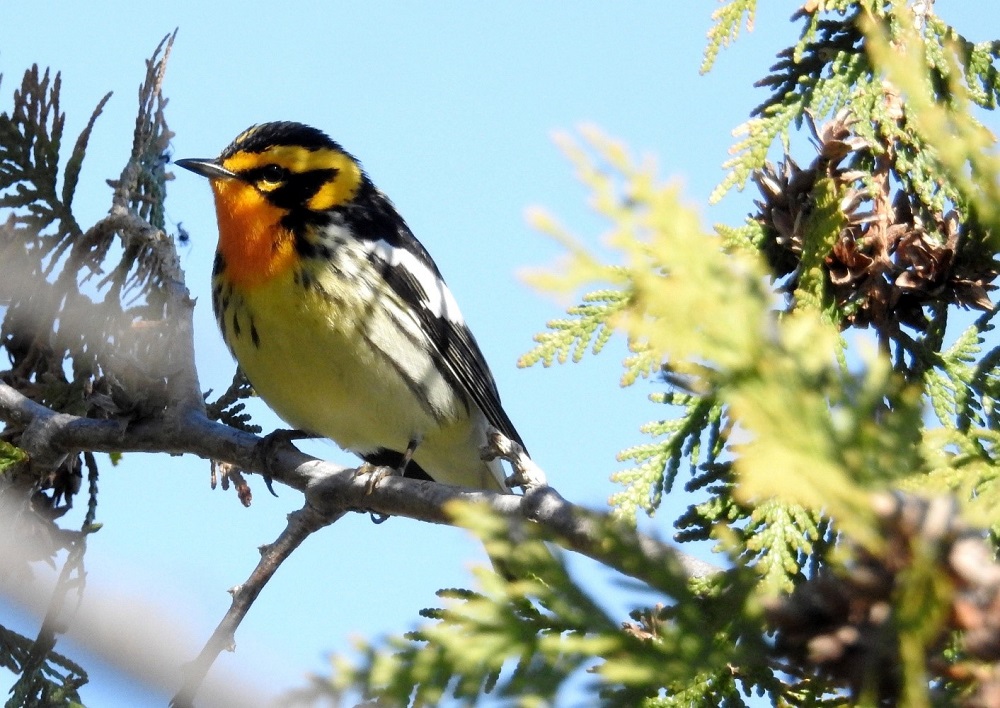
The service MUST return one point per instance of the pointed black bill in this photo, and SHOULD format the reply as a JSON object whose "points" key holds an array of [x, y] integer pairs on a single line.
{"points": [[206, 168]]}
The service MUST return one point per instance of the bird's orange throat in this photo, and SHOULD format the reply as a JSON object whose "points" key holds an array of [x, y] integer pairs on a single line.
{"points": [[252, 241]]}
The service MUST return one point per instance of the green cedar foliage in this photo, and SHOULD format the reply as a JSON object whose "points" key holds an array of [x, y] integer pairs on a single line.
{"points": [[795, 432]]}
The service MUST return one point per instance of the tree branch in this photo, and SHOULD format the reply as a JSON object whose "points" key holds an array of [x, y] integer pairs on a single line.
{"points": [[330, 491], [301, 524], [329, 487]]}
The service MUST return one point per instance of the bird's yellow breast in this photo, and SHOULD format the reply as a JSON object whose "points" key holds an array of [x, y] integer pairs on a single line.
{"points": [[314, 345]]}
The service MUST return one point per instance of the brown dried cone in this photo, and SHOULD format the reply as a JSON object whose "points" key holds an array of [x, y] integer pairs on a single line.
{"points": [[893, 256], [842, 625]]}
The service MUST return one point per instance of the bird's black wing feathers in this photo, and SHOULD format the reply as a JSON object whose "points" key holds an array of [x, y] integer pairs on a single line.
{"points": [[465, 357], [457, 354]]}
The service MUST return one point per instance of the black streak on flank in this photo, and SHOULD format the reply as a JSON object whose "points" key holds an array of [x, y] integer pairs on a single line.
{"points": [[218, 265], [217, 299], [254, 337], [236, 324]]}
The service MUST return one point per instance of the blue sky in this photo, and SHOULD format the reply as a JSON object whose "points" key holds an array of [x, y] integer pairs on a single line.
{"points": [[451, 108]]}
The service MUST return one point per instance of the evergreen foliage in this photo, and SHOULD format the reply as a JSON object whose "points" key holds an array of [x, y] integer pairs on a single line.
{"points": [[72, 307], [791, 429], [820, 387]]}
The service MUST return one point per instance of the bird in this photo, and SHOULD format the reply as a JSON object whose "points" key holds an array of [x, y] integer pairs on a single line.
{"points": [[337, 314]]}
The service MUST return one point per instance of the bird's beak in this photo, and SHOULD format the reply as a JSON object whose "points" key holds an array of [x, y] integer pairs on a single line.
{"points": [[206, 168]]}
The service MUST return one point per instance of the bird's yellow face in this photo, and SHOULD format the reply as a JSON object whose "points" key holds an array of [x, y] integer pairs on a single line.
{"points": [[266, 192]]}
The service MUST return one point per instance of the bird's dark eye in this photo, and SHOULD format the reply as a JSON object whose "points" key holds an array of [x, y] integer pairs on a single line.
{"points": [[273, 173]]}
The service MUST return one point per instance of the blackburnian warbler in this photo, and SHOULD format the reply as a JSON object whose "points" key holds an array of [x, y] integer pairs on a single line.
{"points": [[338, 316]]}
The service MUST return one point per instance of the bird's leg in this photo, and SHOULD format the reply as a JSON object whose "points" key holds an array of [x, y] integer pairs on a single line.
{"points": [[376, 467], [407, 456]]}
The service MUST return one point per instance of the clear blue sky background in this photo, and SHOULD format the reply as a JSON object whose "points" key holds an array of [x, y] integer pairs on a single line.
{"points": [[451, 107]]}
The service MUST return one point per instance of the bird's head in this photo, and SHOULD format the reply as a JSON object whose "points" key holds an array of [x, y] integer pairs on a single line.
{"points": [[290, 166], [271, 182]]}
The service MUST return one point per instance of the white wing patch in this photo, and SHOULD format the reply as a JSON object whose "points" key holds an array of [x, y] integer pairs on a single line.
{"points": [[439, 300]]}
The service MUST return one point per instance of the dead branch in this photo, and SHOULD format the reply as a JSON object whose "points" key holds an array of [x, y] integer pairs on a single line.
{"points": [[301, 524]]}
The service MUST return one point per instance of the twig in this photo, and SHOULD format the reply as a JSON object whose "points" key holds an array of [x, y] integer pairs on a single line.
{"points": [[527, 474], [71, 577], [301, 524]]}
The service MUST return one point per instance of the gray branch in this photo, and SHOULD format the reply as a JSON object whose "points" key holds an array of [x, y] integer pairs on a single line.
{"points": [[330, 491], [301, 524], [331, 488]]}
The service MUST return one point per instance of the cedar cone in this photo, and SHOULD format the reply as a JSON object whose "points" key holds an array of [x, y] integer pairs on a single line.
{"points": [[894, 254], [842, 624]]}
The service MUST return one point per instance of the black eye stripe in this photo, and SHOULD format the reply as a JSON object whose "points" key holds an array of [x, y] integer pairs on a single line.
{"points": [[293, 190], [309, 183], [277, 173]]}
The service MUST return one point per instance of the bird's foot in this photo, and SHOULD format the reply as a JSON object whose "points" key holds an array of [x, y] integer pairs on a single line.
{"points": [[375, 474], [527, 474], [265, 450]]}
